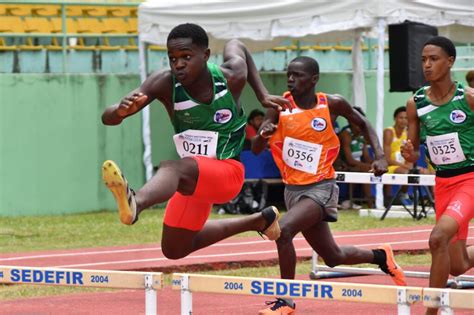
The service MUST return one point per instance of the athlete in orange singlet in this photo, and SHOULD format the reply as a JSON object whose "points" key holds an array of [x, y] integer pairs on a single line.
{"points": [[305, 146]]}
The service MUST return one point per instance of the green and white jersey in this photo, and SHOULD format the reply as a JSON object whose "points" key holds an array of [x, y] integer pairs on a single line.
{"points": [[447, 130], [217, 129], [357, 145]]}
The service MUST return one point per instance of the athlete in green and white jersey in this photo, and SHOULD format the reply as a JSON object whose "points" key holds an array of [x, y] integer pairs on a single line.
{"points": [[443, 115], [202, 101], [222, 115], [448, 131]]}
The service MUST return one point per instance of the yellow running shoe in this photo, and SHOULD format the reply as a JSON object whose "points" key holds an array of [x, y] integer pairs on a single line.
{"points": [[124, 196], [391, 267], [279, 307], [272, 230]]}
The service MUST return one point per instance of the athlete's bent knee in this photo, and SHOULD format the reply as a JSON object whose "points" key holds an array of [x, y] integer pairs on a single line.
{"points": [[171, 252], [438, 240]]}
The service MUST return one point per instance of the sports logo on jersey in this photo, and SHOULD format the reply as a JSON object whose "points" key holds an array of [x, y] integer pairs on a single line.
{"points": [[222, 116], [457, 116], [318, 124]]}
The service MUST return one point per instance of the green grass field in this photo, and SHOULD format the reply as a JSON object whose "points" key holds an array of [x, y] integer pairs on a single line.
{"points": [[23, 234]]}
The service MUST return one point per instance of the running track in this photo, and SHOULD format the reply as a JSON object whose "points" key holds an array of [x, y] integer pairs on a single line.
{"points": [[231, 251], [236, 249]]}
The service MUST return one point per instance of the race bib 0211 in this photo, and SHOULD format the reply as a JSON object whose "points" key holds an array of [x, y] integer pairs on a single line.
{"points": [[196, 143]]}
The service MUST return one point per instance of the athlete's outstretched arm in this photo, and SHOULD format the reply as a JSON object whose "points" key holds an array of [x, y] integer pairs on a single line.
{"points": [[240, 68], [339, 106], [156, 86]]}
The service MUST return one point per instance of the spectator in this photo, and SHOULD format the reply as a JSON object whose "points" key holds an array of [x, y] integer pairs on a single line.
{"points": [[393, 138], [470, 78], [254, 121], [356, 158]]}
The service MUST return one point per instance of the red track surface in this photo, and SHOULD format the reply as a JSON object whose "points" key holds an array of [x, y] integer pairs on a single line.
{"points": [[232, 250]]}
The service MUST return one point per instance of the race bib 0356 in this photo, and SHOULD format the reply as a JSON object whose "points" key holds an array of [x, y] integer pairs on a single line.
{"points": [[301, 155]]}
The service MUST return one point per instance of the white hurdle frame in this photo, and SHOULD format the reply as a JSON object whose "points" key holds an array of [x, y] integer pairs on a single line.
{"points": [[403, 297], [148, 281], [321, 271]]}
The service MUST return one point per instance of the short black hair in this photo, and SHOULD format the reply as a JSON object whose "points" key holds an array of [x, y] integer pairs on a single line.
{"points": [[399, 110], [255, 113], [310, 63], [189, 30], [444, 43]]}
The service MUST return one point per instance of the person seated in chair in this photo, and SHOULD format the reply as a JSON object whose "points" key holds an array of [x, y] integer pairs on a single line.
{"points": [[355, 157], [393, 138]]}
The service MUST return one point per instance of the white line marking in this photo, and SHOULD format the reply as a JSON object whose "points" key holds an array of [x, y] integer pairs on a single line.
{"points": [[240, 254], [133, 250]]}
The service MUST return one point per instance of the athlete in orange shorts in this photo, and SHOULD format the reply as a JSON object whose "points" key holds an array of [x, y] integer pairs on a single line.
{"points": [[202, 101], [443, 113]]}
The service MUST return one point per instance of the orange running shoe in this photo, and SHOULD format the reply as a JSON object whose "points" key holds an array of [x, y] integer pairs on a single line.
{"points": [[391, 267], [124, 195], [280, 307]]}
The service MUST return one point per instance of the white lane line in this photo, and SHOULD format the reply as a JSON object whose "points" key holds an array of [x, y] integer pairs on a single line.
{"points": [[239, 254], [132, 250]]}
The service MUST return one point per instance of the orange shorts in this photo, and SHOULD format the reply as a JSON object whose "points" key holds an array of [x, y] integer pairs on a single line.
{"points": [[219, 182], [454, 197]]}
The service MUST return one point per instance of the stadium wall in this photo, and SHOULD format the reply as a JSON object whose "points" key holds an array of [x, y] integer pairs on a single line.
{"points": [[52, 141]]}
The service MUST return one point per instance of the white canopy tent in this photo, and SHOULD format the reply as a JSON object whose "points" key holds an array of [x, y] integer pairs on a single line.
{"points": [[265, 23]]}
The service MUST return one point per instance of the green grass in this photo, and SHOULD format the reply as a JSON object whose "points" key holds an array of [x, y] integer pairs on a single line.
{"points": [[22, 234]]}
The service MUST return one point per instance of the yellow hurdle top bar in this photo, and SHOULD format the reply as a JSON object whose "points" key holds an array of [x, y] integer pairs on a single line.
{"points": [[80, 278], [329, 291]]}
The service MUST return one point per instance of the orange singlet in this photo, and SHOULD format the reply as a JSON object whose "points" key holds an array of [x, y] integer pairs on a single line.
{"points": [[305, 145]]}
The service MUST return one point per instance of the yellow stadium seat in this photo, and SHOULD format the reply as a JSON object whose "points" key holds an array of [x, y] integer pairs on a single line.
{"points": [[46, 10], [342, 47], [71, 25], [74, 10], [284, 48], [116, 26], [132, 26], [322, 48], [3, 9], [157, 47], [118, 11], [94, 11], [5, 47], [37, 25], [18, 9], [89, 25], [12, 24]]}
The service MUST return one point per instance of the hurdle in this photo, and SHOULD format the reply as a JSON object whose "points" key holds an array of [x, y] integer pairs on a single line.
{"points": [[324, 272], [148, 281], [403, 297]]}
